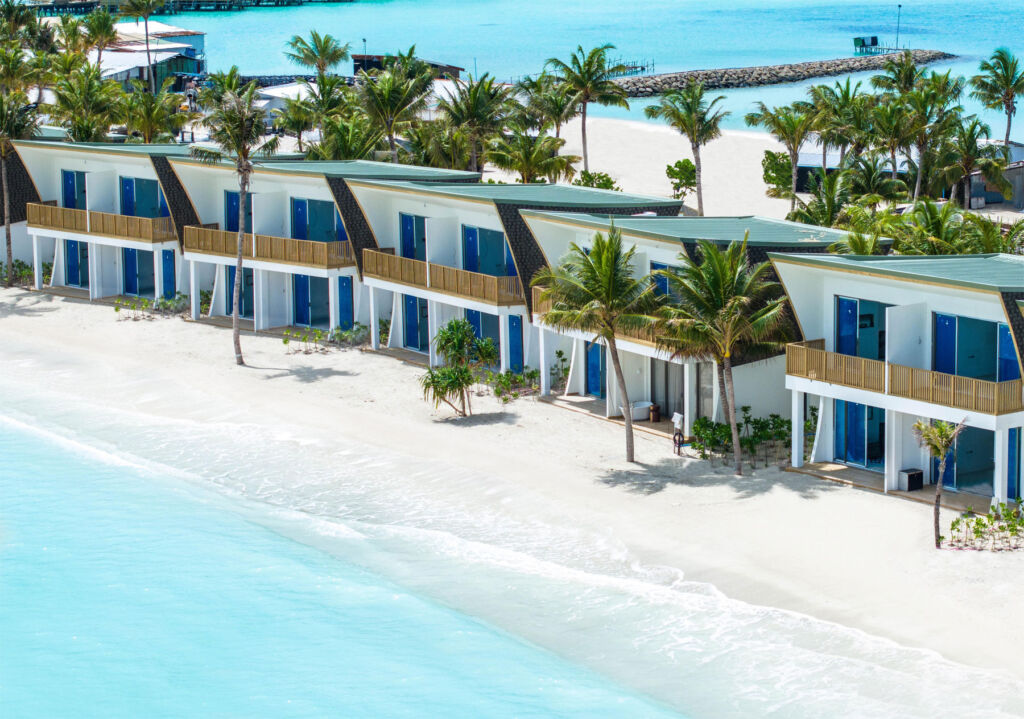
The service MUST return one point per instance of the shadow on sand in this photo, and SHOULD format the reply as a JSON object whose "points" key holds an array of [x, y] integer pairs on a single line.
{"points": [[28, 305], [654, 478], [480, 420], [304, 373]]}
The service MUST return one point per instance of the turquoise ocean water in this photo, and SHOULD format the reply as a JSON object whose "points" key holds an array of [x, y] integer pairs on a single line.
{"points": [[511, 38]]}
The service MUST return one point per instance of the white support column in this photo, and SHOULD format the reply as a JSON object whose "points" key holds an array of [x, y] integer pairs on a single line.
{"points": [[333, 310], [37, 264], [690, 398], [158, 273], [94, 275], [259, 314], [432, 313], [797, 415], [545, 369], [893, 449], [1002, 469], [503, 341], [612, 400], [718, 411], [374, 320], [193, 290]]}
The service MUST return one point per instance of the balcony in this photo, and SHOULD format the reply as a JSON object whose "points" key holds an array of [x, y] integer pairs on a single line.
{"points": [[641, 336], [209, 240], [810, 361], [441, 278], [106, 224]]}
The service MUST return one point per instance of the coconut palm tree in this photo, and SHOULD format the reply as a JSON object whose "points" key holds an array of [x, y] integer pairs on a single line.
{"points": [[721, 307], [531, 154], [931, 228], [18, 121], [790, 125], [899, 75], [549, 101], [870, 184], [99, 32], [596, 292], [1000, 82], [320, 52], [479, 106], [296, 117], [589, 78], [71, 34], [144, 9], [971, 154], [689, 113], [462, 352], [938, 438], [219, 84], [86, 104], [834, 105], [392, 100], [830, 196], [988, 236], [239, 128], [41, 72], [438, 143], [17, 16], [156, 117], [891, 131], [327, 97], [349, 138], [15, 71]]}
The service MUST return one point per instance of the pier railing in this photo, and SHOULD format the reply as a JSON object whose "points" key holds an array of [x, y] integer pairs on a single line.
{"points": [[441, 278]]}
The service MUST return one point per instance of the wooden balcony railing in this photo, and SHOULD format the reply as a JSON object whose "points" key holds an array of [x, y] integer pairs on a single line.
{"points": [[108, 224], [810, 360], [441, 278], [306, 253]]}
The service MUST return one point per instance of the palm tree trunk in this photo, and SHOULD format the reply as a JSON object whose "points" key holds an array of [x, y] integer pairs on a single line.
{"points": [[149, 61], [792, 161], [236, 335], [99, 56], [895, 171], [938, 501], [737, 450], [824, 158], [695, 148], [472, 155], [586, 160], [627, 414], [558, 129], [723, 395], [842, 155], [920, 170], [1009, 121], [967, 192], [7, 218], [392, 144]]}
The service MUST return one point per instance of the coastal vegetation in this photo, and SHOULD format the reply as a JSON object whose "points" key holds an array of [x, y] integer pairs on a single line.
{"points": [[463, 355], [938, 438], [18, 121]]}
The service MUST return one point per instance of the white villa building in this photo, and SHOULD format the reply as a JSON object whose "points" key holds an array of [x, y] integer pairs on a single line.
{"points": [[897, 339]]}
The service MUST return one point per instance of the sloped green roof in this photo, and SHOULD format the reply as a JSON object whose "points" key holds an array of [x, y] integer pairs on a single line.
{"points": [[763, 230], [366, 169], [995, 272], [127, 148], [534, 194]]}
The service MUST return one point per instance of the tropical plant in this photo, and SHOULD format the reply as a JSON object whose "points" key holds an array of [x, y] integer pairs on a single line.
{"points": [[690, 113], [239, 128], [891, 131], [596, 292], [597, 180], [17, 16], [156, 117], [15, 71], [348, 138], [971, 154], [144, 9], [989, 236], [219, 84], [438, 143], [830, 195], [721, 307], [463, 353], [899, 75], [41, 71], [790, 125], [480, 107], [295, 118], [683, 176], [86, 104], [588, 77], [532, 155], [329, 96], [930, 228], [320, 52], [71, 34], [550, 102], [392, 99], [997, 86], [938, 438], [18, 121], [99, 32], [777, 173], [870, 184], [833, 106]]}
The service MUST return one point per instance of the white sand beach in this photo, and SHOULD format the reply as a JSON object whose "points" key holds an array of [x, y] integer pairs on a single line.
{"points": [[774, 538]]}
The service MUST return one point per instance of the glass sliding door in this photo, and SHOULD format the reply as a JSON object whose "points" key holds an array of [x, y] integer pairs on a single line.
{"points": [[595, 370], [247, 304], [859, 435], [76, 263]]}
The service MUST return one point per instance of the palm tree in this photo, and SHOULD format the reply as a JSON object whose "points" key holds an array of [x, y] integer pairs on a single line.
{"points": [[973, 155], [438, 143], [479, 106], [870, 183], [462, 352], [891, 131], [988, 236], [533, 155], [721, 306], [320, 52], [327, 97], [296, 117], [596, 292], [392, 101], [830, 195], [238, 127], [550, 102], [899, 75], [86, 104], [99, 31], [218, 85], [18, 121], [790, 126], [588, 77], [835, 106], [348, 138], [17, 16], [15, 72], [938, 438], [931, 228], [922, 105], [70, 34], [1000, 82], [689, 112], [144, 9], [154, 118], [41, 72]]}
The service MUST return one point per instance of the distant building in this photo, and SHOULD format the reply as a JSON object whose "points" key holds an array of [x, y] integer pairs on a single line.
{"points": [[376, 62]]}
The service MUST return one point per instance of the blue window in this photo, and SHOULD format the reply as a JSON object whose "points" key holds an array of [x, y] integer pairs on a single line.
{"points": [[487, 252], [1008, 366], [142, 198], [660, 283], [314, 220]]}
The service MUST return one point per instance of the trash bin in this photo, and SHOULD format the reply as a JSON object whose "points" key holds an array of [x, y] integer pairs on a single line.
{"points": [[655, 413], [639, 411]]}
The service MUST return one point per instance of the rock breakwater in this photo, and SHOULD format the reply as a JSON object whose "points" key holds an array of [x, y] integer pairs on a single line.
{"points": [[644, 86]]}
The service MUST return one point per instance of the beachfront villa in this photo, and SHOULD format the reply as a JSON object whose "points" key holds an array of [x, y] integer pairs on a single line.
{"points": [[101, 217], [445, 251], [677, 385], [303, 235], [892, 340]]}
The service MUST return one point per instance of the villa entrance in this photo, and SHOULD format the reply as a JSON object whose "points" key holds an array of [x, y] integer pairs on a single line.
{"points": [[859, 435], [137, 272], [76, 263]]}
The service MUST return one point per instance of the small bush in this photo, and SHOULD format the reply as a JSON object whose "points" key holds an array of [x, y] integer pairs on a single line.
{"points": [[600, 180]]}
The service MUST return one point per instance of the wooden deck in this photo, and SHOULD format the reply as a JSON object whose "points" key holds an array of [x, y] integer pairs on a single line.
{"points": [[210, 240], [498, 291], [105, 224]]}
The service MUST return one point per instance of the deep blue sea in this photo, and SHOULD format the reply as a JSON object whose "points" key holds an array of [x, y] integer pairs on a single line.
{"points": [[511, 38]]}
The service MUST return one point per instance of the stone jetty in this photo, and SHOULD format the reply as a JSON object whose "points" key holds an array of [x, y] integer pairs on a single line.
{"points": [[644, 86]]}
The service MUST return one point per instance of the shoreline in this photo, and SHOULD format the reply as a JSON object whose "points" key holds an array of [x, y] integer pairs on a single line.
{"points": [[772, 539]]}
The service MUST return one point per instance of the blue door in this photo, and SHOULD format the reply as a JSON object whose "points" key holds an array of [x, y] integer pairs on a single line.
{"points": [[408, 235], [300, 221], [470, 249], [473, 317], [850, 432], [660, 283], [300, 285], [346, 308], [231, 203], [72, 264], [944, 353], [846, 326], [246, 309], [170, 281], [595, 370], [1013, 466], [127, 196], [412, 322], [515, 343], [130, 264], [73, 189]]}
